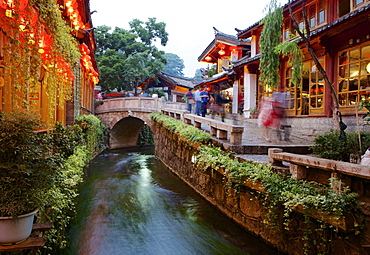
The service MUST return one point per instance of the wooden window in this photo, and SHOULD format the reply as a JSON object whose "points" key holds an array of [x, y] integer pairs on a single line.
{"points": [[358, 2], [347, 6], [321, 12], [287, 30], [354, 76], [299, 18], [317, 89], [316, 14], [312, 16], [308, 97]]}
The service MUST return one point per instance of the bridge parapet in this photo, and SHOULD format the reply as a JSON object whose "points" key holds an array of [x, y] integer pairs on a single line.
{"points": [[148, 103], [110, 105]]}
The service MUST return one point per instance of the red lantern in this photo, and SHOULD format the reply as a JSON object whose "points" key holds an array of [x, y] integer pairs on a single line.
{"points": [[10, 4], [84, 49], [4, 4]]}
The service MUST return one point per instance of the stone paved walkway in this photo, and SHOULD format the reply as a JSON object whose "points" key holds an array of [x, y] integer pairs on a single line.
{"points": [[253, 136]]}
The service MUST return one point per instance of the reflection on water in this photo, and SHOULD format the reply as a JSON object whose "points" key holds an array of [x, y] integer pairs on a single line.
{"points": [[131, 203]]}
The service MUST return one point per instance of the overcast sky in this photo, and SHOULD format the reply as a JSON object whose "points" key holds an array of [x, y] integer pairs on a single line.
{"points": [[189, 23]]}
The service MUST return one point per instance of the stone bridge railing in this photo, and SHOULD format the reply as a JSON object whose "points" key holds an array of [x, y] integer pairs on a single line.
{"points": [[137, 104], [145, 105]]}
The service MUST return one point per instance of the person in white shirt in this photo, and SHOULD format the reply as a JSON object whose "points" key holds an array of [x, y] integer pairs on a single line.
{"points": [[198, 102]]}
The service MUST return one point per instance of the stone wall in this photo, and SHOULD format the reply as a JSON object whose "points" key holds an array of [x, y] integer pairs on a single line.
{"points": [[247, 207]]}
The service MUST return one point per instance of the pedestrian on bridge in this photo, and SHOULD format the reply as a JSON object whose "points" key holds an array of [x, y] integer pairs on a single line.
{"points": [[198, 102], [189, 99], [205, 99]]}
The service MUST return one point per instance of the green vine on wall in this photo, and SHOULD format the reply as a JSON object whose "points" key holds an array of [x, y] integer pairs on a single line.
{"points": [[279, 191], [180, 128], [40, 50], [64, 42]]}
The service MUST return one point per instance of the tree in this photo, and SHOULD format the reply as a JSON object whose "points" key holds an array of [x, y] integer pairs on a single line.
{"points": [[203, 73], [126, 57], [175, 65]]}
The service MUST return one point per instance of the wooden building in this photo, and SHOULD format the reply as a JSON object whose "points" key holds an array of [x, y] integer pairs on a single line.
{"points": [[340, 36], [47, 59], [222, 52], [174, 87]]}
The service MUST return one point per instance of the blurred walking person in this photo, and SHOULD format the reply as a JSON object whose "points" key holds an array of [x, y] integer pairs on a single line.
{"points": [[205, 99], [189, 99], [198, 102]]}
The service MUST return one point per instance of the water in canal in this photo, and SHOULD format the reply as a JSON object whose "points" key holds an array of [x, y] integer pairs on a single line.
{"points": [[131, 203]]}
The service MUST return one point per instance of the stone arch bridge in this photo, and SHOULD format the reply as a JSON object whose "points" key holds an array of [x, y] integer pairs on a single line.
{"points": [[125, 116]]}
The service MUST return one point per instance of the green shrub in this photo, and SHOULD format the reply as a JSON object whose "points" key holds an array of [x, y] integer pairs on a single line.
{"points": [[329, 145], [146, 137], [60, 205], [28, 164], [43, 170], [94, 131], [180, 128], [66, 139]]}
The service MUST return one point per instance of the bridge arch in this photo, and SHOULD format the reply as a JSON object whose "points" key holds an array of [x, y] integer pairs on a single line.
{"points": [[125, 132]]}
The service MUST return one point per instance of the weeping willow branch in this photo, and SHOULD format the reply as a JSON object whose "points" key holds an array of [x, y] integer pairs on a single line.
{"points": [[291, 50], [270, 38]]}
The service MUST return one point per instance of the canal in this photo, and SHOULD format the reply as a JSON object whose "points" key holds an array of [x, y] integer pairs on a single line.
{"points": [[131, 203]]}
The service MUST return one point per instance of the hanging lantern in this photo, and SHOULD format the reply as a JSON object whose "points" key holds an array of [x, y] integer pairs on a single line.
{"points": [[221, 52], [208, 58]]}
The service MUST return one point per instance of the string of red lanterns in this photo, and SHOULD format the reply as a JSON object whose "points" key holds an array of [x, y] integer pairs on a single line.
{"points": [[87, 64], [27, 17], [72, 12]]}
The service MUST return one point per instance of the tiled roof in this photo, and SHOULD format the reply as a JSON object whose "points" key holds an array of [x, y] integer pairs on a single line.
{"points": [[177, 80], [216, 77], [245, 60], [219, 36], [258, 22]]}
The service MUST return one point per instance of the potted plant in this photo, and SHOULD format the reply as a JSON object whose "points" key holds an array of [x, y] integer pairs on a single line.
{"points": [[28, 169], [253, 113]]}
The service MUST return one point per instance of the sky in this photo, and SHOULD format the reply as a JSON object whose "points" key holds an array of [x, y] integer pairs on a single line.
{"points": [[189, 23]]}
